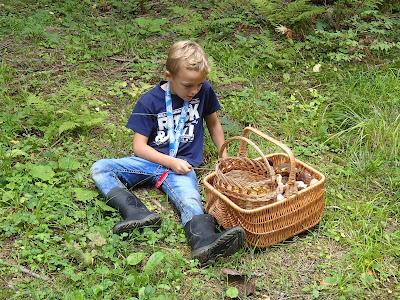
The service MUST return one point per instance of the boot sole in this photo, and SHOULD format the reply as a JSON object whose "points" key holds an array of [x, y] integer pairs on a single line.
{"points": [[227, 244], [128, 226]]}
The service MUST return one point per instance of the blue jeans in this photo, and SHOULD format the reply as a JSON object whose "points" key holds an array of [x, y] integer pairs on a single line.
{"points": [[129, 172]]}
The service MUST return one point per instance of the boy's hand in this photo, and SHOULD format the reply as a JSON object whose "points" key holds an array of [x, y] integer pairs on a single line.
{"points": [[181, 166], [141, 149]]}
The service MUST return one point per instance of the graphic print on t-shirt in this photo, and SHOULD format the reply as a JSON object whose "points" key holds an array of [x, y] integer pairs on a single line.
{"points": [[192, 118]]}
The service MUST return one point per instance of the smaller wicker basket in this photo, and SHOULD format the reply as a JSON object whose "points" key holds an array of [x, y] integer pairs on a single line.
{"points": [[250, 183], [275, 222]]}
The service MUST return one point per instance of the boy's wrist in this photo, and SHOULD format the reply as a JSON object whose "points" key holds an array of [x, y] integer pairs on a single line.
{"points": [[169, 161]]}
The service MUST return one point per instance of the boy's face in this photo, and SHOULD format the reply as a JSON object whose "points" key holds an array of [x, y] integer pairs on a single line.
{"points": [[186, 83]]}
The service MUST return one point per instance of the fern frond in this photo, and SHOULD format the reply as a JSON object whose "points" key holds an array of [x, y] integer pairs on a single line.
{"points": [[190, 20], [307, 14], [65, 126], [278, 12], [226, 21], [40, 105]]}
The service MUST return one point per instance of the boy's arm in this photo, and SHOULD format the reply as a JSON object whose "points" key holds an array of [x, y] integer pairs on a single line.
{"points": [[142, 150], [216, 132]]}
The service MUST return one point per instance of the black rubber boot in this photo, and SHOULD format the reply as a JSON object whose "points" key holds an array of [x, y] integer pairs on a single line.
{"points": [[134, 212], [207, 245]]}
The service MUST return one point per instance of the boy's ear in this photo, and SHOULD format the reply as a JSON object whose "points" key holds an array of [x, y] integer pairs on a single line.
{"points": [[168, 75]]}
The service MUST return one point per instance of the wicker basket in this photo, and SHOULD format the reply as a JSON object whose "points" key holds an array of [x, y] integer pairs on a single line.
{"points": [[249, 183], [278, 221]]}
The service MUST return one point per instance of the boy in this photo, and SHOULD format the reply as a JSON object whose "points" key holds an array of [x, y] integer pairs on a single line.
{"points": [[168, 141]]}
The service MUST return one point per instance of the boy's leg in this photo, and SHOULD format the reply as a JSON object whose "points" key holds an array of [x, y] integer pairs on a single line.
{"points": [[123, 172], [183, 191], [111, 176], [206, 245]]}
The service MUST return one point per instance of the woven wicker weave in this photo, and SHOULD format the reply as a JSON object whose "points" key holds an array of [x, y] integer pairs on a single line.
{"points": [[276, 222], [250, 183]]}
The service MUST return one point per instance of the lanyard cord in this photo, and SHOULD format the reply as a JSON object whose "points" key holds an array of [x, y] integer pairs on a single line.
{"points": [[174, 135]]}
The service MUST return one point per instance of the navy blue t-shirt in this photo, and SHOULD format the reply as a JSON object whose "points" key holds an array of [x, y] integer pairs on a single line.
{"points": [[149, 118]]}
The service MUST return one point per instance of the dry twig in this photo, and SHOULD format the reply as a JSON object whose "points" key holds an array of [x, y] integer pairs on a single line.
{"points": [[26, 271], [33, 274]]}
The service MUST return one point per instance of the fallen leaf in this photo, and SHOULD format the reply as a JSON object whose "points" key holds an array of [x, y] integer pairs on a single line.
{"points": [[330, 281], [96, 239], [317, 68], [244, 284]]}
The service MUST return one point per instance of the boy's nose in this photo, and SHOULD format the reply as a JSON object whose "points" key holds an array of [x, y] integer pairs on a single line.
{"points": [[194, 91]]}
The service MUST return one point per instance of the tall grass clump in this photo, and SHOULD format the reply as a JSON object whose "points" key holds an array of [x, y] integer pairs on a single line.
{"points": [[367, 115]]}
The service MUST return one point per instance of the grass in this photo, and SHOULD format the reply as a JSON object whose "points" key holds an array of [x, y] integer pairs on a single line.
{"points": [[70, 74]]}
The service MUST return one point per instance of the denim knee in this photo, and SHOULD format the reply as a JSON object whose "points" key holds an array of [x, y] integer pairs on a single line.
{"points": [[189, 205], [99, 167]]}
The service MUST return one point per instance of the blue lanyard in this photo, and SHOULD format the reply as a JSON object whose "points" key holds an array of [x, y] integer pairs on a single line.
{"points": [[174, 135]]}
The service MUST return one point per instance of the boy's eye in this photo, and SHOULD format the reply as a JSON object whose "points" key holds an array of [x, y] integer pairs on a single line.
{"points": [[189, 86]]}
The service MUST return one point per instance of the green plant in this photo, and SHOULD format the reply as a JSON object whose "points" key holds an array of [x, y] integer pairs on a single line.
{"points": [[372, 127], [293, 14], [192, 21], [6, 73], [366, 36], [64, 112], [151, 25]]}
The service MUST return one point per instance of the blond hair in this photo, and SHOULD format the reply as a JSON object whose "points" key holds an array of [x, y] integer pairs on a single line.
{"points": [[187, 54]]}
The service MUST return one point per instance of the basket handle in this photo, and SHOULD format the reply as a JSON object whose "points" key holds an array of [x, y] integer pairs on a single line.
{"points": [[245, 140], [291, 188]]}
